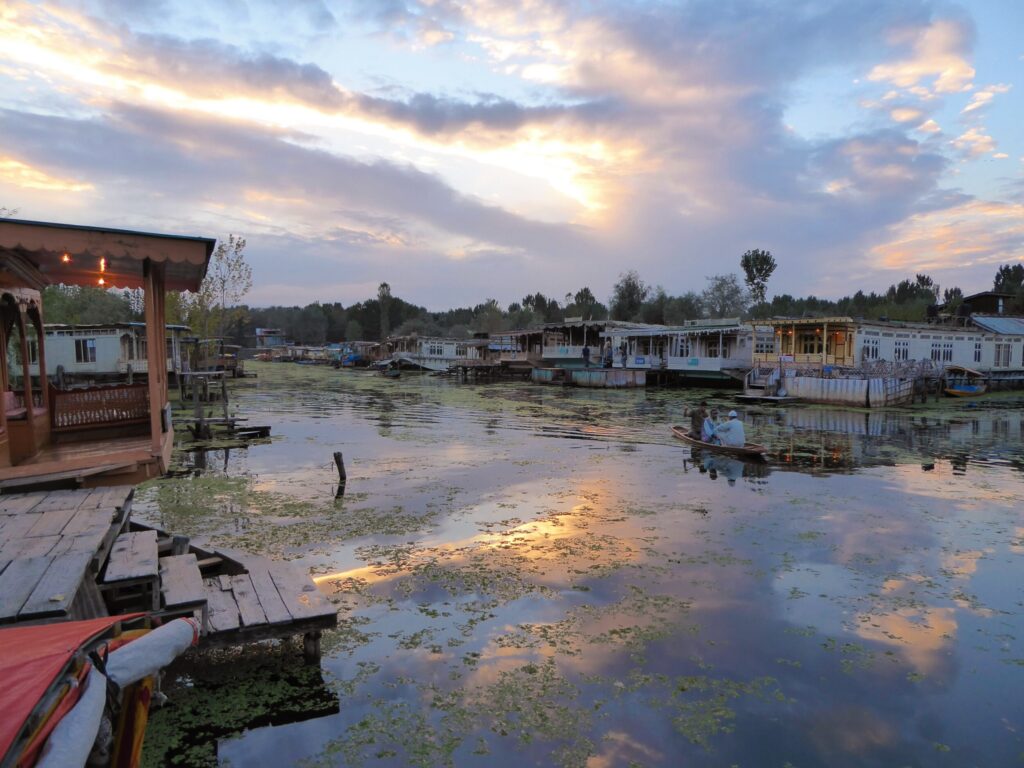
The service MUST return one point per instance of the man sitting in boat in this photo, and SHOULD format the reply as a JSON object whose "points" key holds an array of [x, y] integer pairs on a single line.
{"points": [[709, 429], [731, 433]]}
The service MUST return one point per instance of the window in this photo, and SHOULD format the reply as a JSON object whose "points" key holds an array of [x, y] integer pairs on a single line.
{"points": [[936, 351], [870, 351], [85, 350], [436, 350], [977, 351], [947, 352], [33, 352], [901, 350], [810, 344], [1002, 356], [764, 345], [460, 350], [684, 346]]}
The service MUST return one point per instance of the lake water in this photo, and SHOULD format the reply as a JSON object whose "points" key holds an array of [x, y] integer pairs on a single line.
{"points": [[532, 575]]}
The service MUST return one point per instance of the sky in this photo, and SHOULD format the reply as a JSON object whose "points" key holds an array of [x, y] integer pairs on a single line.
{"points": [[471, 149]]}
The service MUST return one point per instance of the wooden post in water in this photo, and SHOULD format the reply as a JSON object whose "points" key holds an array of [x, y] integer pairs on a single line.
{"points": [[339, 462]]}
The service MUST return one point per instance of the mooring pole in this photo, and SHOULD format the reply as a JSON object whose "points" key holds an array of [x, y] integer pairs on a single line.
{"points": [[339, 462]]}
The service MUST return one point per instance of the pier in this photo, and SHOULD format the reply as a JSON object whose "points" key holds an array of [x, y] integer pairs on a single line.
{"points": [[76, 554]]}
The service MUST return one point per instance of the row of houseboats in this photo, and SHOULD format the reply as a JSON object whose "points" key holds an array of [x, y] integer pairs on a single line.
{"points": [[770, 359]]}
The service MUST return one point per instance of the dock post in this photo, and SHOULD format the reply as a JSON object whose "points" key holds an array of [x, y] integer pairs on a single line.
{"points": [[311, 647], [339, 462]]}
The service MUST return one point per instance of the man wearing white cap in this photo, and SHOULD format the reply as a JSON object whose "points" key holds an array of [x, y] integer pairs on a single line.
{"points": [[732, 433]]}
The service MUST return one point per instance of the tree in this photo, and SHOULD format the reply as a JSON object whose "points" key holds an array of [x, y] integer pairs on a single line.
{"points": [[384, 297], [353, 331], [628, 296], [679, 309], [724, 297], [228, 279], [1009, 279], [758, 266]]}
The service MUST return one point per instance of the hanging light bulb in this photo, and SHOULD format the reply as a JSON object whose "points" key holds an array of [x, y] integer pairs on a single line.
{"points": [[101, 281], [66, 258]]}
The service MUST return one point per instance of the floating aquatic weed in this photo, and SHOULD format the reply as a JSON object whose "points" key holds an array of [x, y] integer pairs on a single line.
{"points": [[217, 694]]}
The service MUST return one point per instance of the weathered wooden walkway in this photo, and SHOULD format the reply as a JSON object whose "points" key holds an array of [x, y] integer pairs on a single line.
{"points": [[76, 555]]}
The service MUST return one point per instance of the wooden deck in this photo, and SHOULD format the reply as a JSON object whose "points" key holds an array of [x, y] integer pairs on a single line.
{"points": [[75, 555], [83, 462]]}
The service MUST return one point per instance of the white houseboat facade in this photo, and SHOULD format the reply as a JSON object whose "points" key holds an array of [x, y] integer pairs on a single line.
{"points": [[104, 352], [701, 350], [428, 352], [990, 344]]}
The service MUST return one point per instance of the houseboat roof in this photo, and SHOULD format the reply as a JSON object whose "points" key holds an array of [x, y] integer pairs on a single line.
{"points": [[813, 320], [41, 253], [102, 326], [1000, 324]]}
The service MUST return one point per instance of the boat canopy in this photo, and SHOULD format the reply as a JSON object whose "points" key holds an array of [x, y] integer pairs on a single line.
{"points": [[32, 658]]}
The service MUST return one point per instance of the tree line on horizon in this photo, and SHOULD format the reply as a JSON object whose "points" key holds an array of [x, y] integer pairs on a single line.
{"points": [[216, 310]]}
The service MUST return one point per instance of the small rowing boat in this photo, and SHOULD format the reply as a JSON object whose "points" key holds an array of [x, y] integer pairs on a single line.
{"points": [[964, 382], [749, 450]]}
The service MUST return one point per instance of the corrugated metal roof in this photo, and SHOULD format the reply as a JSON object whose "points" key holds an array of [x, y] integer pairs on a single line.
{"points": [[1000, 324]]}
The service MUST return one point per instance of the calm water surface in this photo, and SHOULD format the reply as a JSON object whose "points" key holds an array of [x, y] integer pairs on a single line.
{"points": [[531, 575]]}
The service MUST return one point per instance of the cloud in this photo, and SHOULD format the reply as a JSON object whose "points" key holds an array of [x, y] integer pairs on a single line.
{"points": [[974, 142], [666, 121], [983, 97], [936, 54], [970, 236]]}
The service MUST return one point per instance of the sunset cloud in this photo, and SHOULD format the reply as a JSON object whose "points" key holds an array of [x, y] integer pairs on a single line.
{"points": [[936, 57], [573, 138]]}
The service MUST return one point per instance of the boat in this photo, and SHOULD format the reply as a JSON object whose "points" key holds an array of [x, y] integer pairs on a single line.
{"points": [[964, 382], [749, 450], [79, 691]]}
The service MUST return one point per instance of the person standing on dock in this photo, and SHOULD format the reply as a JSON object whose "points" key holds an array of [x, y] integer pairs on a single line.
{"points": [[732, 432], [607, 354], [586, 355]]}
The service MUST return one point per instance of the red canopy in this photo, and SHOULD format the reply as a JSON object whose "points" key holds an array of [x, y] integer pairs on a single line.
{"points": [[31, 658]]}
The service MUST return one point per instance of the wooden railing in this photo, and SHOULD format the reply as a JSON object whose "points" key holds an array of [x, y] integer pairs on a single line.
{"points": [[99, 407]]}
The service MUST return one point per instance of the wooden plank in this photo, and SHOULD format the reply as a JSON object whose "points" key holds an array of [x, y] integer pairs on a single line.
{"points": [[299, 594], [18, 527], [180, 580], [34, 547], [222, 611], [51, 522], [88, 521], [248, 603], [61, 500], [17, 582], [266, 591], [56, 591], [225, 582], [134, 556], [16, 504]]}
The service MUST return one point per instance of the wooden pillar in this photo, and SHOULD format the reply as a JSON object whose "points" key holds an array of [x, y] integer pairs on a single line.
{"points": [[153, 287], [824, 344], [4, 380], [44, 384], [30, 414]]}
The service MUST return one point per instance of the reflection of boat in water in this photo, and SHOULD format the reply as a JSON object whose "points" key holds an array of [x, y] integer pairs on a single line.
{"points": [[749, 450], [964, 382]]}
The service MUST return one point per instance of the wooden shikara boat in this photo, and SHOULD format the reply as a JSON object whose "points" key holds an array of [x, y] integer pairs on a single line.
{"points": [[748, 451], [964, 382]]}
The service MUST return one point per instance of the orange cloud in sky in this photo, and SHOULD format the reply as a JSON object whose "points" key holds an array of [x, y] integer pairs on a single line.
{"points": [[938, 53], [23, 175], [976, 232]]}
